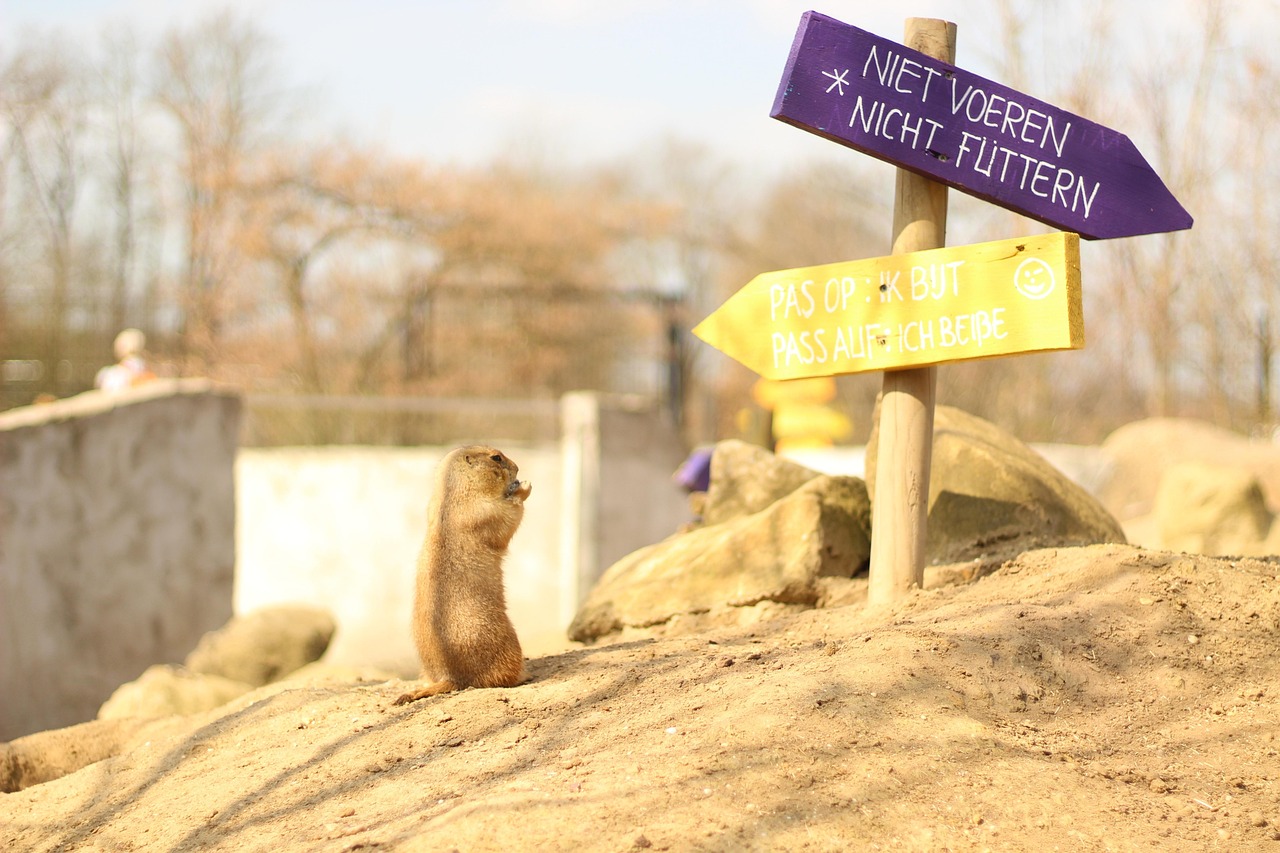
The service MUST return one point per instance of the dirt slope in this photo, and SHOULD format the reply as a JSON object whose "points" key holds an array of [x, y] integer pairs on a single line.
{"points": [[1102, 698]]}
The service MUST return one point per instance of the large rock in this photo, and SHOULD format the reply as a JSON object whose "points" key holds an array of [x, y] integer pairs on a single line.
{"points": [[264, 646], [1212, 509], [48, 755], [991, 493], [164, 690], [746, 479], [779, 554], [1140, 452], [158, 703]]}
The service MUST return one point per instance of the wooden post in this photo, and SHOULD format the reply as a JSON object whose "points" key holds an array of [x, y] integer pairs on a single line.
{"points": [[900, 508]]}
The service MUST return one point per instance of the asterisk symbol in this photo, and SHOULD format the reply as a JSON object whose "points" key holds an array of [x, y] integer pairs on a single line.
{"points": [[839, 76]]}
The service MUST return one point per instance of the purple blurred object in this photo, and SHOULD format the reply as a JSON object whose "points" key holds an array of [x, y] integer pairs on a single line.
{"points": [[694, 473]]}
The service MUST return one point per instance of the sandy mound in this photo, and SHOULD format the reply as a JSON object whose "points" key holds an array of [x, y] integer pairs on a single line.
{"points": [[1076, 699]]}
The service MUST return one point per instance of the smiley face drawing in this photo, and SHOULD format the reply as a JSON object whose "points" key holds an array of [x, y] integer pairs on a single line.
{"points": [[1034, 278]]}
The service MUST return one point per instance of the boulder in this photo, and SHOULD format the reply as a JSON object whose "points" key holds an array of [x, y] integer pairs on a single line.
{"points": [[276, 645], [321, 673], [991, 493], [264, 646], [746, 479], [1211, 509], [165, 690], [48, 755], [779, 554], [1140, 452]]}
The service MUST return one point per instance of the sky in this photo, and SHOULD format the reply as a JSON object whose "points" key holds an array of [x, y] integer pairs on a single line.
{"points": [[465, 80], [462, 81]]}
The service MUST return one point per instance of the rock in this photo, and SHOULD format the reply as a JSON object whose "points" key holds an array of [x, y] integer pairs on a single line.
{"points": [[777, 554], [48, 755], [1144, 532], [746, 479], [264, 646], [164, 690], [1211, 509], [328, 673], [989, 491], [1141, 451]]}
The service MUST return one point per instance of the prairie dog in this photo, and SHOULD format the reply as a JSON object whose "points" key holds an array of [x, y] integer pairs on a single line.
{"points": [[460, 623]]}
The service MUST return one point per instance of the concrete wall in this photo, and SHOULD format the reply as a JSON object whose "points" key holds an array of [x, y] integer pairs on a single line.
{"points": [[618, 457], [340, 527], [117, 521]]}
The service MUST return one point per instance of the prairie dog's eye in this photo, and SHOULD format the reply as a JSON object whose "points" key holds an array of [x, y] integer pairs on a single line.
{"points": [[497, 457]]}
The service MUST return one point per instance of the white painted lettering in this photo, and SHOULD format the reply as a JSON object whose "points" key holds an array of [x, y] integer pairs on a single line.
{"points": [[1007, 126], [908, 67], [1082, 198], [977, 98], [838, 293], [932, 281], [1040, 176], [1061, 184], [913, 130], [884, 130], [882, 71], [1026, 169], [993, 109], [957, 103], [934, 127], [1030, 125], [889, 286], [966, 138], [933, 72], [787, 298], [868, 114], [1058, 141]]}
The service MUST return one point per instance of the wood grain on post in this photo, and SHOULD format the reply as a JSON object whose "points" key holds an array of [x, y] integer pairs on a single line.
{"points": [[900, 507]]}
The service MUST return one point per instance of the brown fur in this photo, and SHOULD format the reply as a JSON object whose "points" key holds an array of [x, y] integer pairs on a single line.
{"points": [[460, 623]]}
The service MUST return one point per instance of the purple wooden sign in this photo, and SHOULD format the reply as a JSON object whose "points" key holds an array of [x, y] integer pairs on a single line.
{"points": [[895, 103]]}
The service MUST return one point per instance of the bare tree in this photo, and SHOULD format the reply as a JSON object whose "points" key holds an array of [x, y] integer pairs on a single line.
{"points": [[120, 94], [45, 109], [1256, 221], [304, 209], [1163, 333], [680, 253], [214, 82]]}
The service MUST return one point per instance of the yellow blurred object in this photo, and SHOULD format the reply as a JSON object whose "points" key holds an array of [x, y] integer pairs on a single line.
{"points": [[774, 393], [808, 425]]}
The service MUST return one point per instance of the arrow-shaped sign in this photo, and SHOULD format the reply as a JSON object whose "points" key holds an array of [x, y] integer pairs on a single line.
{"points": [[910, 310], [897, 104]]}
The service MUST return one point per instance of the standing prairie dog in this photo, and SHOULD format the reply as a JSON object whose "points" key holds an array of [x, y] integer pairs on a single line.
{"points": [[460, 622]]}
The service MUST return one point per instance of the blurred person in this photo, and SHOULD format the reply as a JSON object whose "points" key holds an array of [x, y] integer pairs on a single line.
{"points": [[131, 368]]}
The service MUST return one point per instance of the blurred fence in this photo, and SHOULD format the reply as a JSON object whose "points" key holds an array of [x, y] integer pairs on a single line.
{"points": [[452, 362], [285, 420]]}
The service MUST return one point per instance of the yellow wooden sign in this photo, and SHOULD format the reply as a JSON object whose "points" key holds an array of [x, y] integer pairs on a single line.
{"points": [[911, 310]]}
